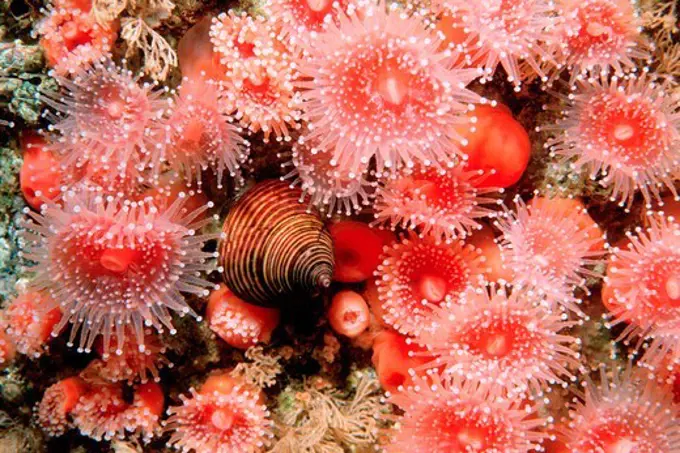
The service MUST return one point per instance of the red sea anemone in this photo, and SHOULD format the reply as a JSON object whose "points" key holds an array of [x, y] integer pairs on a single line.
{"points": [[104, 123], [627, 130], [120, 264], [197, 57], [357, 249], [439, 202], [376, 85], [461, 417], [225, 416], [501, 32], [72, 38], [239, 323], [598, 36], [509, 342], [40, 175], [497, 144], [103, 413], [30, 319], [418, 276], [529, 235], [395, 357], [623, 414], [642, 287], [260, 70], [200, 134], [54, 410], [348, 314]]}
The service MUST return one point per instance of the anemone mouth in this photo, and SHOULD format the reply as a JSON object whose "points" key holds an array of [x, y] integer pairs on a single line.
{"points": [[627, 127], [383, 88], [420, 277], [466, 428]]}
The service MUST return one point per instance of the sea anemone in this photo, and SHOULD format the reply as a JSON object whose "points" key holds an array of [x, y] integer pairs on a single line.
{"points": [[395, 358], [40, 176], [120, 264], [642, 286], [197, 57], [623, 413], [30, 319], [529, 235], [330, 188], [239, 323], [598, 36], [439, 202], [498, 145], [53, 411], [348, 314], [225, 416], [72, 38], [260, 70], [376, 85], [418, 276], [501, 32], [627, 129], [357, 249], [105, 120], [200, 134], [509, 342], [458, 416], [302, 18], [103, 412]]}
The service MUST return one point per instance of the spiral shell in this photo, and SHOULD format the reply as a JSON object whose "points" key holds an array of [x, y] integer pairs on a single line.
{"points": [[274, 246]]}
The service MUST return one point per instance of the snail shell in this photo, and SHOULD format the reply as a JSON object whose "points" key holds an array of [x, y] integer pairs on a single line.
{"points": [[274, 246]]}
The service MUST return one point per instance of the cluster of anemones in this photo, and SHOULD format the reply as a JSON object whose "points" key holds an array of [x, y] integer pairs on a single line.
{"points": [[375, 100]]}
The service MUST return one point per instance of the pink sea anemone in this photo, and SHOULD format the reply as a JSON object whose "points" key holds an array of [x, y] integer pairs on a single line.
{"points": [[623, 413], [201, 135], [120, 264], [377, 85], [260, 70], [418, 276], [600, 36], [104, 122], [626, 129], [225, 416], [505, 33], [459, 417], [642, 287], [443, 203], [330, 188], [508, 342], [72, 38], [529, 235]]}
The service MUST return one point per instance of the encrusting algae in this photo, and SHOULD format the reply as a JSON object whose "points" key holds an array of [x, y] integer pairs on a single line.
{"points": [[313, 226]]}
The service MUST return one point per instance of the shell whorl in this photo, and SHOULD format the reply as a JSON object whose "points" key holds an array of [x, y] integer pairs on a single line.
{"points": [[274, 246]]}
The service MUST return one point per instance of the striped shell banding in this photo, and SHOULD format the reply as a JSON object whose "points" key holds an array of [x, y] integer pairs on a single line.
{"points": [[274, 246]]}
